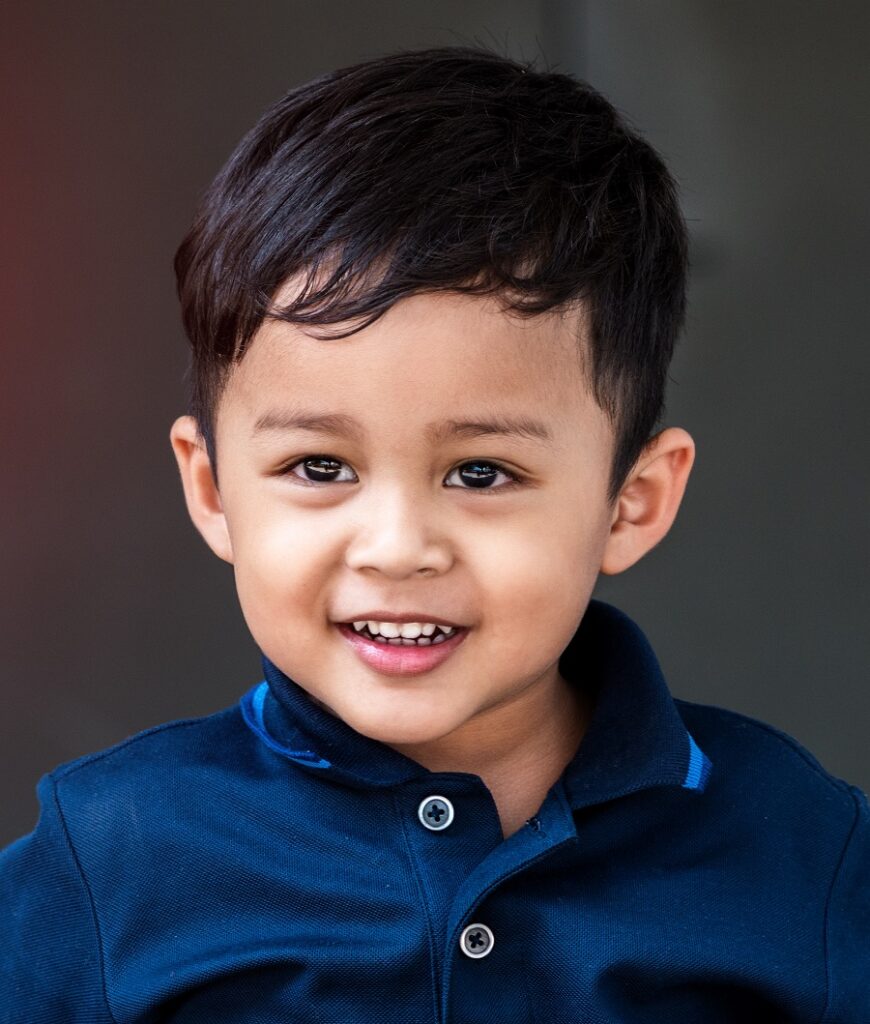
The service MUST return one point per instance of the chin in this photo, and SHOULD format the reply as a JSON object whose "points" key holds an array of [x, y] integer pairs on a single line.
{"points": [[397, 730]]}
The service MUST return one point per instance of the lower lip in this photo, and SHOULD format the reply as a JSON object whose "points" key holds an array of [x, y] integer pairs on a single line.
{"points": [[400, 660]]}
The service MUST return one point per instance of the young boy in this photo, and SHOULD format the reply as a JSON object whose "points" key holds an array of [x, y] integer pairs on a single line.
{"points": [[432, 300]]}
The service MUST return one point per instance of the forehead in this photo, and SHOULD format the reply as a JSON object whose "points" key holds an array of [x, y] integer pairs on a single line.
{"points": [[431, 358]]}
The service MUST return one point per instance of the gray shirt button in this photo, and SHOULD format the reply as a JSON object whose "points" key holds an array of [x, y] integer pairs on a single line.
{"points": [[436, 812], [476, 941]]}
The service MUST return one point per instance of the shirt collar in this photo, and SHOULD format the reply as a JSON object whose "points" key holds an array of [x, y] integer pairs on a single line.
{"points": [[635, 738]]}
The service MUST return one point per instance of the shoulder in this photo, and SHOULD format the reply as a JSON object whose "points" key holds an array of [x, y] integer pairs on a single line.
{"points": [[797, 839], [761, 768], [154, 772], [181, 740]]}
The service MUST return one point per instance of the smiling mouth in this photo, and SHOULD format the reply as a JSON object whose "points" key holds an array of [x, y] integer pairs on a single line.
{"points": [[438, 637], [401, 656]]}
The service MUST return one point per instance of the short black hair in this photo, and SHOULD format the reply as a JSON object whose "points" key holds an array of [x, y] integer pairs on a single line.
{"points": [[452, 168]]}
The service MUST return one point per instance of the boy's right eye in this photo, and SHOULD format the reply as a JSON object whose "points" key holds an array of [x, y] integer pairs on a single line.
{"points": [[320, 466]]}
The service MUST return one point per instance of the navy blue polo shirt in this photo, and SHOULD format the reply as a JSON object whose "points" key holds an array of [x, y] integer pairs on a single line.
{"points": [[269, 864]]}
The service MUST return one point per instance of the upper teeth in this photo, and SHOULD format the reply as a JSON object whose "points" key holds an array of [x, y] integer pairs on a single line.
{"points": [[410, 630]]}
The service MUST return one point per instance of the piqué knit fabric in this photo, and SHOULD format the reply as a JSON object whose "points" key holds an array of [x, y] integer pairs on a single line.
{"points": [[268, 864]]}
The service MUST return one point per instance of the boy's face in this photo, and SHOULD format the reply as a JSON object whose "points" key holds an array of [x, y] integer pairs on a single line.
{"points": [[398, 525]]}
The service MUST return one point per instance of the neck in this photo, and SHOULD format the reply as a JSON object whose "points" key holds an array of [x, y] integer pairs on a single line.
{"points": [[519, 750]]}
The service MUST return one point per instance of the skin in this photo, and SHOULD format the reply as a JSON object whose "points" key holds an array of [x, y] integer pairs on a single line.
{"points": [[401, 528]]}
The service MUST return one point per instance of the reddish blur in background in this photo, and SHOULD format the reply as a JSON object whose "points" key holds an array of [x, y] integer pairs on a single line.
{"points": [[113, 119]]}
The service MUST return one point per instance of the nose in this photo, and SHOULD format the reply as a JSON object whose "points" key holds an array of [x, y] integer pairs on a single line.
{"points": [[398, 536]]}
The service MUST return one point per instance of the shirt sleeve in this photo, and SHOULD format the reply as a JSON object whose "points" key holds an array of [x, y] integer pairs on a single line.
{"points": [[50, 964], [848, 926]]}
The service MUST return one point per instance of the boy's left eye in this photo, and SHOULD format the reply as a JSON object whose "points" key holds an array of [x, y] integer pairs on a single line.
{"points": [[481, 473], [477, 473]]}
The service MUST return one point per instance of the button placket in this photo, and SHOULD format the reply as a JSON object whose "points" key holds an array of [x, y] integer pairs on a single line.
{"points": [[435, 812]]}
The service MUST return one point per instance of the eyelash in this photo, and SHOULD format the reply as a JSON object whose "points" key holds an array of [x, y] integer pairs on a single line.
{"points": [[514, 479]]}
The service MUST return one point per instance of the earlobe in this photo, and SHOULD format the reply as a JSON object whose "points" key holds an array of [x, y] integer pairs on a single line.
{"points": [[200, 491], [649, 499]]}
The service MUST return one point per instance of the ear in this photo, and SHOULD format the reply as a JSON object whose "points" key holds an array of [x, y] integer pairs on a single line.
{"points": [[648, 501], [200, 491]]}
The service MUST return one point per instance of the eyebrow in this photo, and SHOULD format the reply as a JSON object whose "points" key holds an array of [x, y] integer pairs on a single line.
{"points": [[342, 425]]}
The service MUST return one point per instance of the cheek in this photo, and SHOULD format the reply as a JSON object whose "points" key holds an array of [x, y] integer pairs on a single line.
{"points": [[277, 565], [535, 582], [539, 557]]}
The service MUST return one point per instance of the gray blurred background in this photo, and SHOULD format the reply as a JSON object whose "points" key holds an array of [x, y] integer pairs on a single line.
{"points": [[115, 116]]}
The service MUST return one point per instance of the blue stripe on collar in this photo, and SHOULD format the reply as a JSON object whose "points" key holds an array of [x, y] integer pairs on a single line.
{"points": [[252, 712], [699, 767]]}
